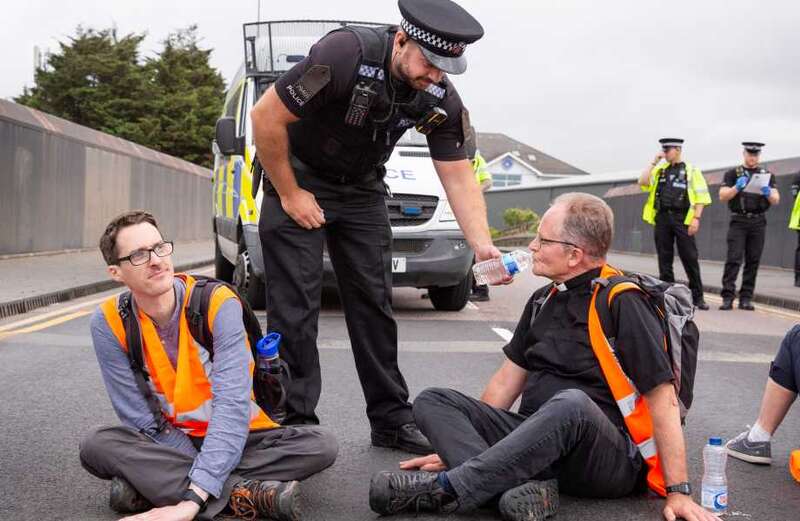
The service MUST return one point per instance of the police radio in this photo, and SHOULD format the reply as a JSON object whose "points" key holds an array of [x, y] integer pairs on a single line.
{"points": [[431, 120], [363, 95]]}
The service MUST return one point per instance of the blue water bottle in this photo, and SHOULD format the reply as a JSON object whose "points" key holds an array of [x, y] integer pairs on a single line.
{"points": [[272, 378]]}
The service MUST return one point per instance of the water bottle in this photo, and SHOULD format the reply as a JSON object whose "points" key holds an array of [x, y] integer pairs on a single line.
{"points": [[715, 484], [270, 378], [493, 271]]}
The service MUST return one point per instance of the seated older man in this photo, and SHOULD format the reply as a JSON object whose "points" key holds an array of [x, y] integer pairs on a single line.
{"points": [[569, 434]]}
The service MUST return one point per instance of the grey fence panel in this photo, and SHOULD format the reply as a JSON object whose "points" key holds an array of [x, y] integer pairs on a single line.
{"points": [[61, 184]]}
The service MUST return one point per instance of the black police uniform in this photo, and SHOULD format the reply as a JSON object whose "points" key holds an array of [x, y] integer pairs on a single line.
{"points": [[746, 235], [672, 204], [352, 112], [795, 191]]}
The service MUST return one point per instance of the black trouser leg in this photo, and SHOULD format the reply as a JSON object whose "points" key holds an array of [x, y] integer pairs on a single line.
{"points": [[569, 437], [753, 248], [460, 427], [736, 241], [665, 249], [359, 243], [797, 260], [293, 269], [687, 251]]}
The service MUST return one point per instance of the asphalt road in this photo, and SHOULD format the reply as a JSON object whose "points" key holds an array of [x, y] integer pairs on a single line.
{"points": [[52, 395]]}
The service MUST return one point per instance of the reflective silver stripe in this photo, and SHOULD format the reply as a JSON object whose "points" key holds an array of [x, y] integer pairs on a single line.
{"points": [[627, 404], [701, 191], [648, 448]]}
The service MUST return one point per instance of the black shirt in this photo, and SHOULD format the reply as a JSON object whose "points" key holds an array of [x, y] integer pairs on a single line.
{"points": [[342, 53], [559, 356], [744, 202]]}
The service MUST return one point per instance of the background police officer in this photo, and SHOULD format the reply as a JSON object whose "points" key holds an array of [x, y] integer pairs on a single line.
{"points": [[678, 193], [323, 132], [748, 225], [794, 224]]}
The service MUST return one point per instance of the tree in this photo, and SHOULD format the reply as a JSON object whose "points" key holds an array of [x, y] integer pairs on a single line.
{"points": [[521, 218]]}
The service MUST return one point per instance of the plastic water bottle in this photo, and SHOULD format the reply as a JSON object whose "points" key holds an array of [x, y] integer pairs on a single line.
{"points": [[493, 271], [715, 484], [270, 389]]}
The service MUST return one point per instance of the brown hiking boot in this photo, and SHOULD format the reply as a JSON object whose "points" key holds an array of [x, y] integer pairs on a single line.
{"points": [[278, 500]]}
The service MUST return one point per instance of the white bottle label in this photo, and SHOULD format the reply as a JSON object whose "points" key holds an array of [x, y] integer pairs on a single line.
{"points": [[715, 498]]}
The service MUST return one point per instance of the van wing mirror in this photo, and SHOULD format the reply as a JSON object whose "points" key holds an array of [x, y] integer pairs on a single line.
{"points": [[225, 136]]}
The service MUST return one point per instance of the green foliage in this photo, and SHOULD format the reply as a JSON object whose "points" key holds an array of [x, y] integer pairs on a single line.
{"points": [[521, 217], [494, 232], [169, 102]]}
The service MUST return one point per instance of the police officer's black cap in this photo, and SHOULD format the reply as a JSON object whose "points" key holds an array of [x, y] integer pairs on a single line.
{"points": [[753, 147], [443, 29], [671, 142]]}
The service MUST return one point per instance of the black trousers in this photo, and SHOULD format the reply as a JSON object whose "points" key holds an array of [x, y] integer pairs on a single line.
{"points": [[797, 259], [490, 450], [745, 239], [671, 231], [358, 238]]}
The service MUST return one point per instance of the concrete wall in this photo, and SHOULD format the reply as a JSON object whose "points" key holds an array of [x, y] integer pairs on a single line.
{"points": [[61, 183]]}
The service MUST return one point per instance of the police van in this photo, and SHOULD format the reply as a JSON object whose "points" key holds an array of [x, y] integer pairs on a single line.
{"points": [[428, 248]]}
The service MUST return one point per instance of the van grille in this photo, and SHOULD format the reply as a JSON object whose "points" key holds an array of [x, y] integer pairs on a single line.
{"points": [[411, 209]]}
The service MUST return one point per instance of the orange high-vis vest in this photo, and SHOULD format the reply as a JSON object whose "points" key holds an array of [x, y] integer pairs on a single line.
{"points": [[631, 404], [794, 465], [184, 391]]}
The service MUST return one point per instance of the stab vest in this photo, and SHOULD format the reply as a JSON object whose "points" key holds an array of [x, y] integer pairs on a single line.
{"points": [[332, 147], [671, 191], [745, 202]]}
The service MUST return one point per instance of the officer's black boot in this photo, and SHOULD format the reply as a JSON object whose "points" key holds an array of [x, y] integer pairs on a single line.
{"points": [[701, 304], [746, 304], [405, 437], [797, 281], [727, 304]]}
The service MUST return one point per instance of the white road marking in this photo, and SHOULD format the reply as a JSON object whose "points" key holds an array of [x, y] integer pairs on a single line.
{"points": [[505, 334], [471, 305]]}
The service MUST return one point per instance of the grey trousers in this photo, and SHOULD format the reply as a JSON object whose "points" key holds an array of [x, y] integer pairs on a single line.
{"points": [[160, 473], [490, 450]]}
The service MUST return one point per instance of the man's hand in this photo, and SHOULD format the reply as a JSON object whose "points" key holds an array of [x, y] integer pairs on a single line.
{"points": [[680, 506], [301, 205], [183, 511], [429, 463], [694, 227], [741, 183], [489, 251], [658, 158]]}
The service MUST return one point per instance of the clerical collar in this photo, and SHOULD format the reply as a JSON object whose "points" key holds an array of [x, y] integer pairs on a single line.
{"points": [[581, 280]]}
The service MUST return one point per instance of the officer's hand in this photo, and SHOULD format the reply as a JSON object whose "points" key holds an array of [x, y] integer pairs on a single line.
{"points": [[489, 251], [741, 183], [658, 158], [766, 191], [301, 205], [694, 227]]}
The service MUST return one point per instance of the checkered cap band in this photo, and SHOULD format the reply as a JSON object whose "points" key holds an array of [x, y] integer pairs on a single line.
{"points": [[435, 41]]}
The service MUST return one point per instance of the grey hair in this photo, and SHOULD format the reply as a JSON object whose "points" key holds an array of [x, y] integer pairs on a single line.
{"points": [[589, 222]]}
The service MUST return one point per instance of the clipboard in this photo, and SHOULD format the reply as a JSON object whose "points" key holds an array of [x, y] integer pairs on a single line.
{"points": [[757, 182]]}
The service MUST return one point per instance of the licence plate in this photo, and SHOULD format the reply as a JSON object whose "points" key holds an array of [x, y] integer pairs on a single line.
{"points": [[398, 264]]}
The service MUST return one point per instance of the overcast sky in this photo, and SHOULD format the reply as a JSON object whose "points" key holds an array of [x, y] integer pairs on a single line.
{"points": [[592, 83]]}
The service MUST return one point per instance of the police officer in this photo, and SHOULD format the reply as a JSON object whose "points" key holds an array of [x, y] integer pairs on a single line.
{"points": [[794, 224], [323, 132], [748, 224], [480, 292], [678, 193]]}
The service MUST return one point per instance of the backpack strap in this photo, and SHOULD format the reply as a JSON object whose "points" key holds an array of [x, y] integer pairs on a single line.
{"points": [[197, 311], [136, 357], [610, 288]]}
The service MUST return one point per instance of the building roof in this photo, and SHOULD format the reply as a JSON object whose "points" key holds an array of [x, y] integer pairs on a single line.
{"points": [[493, 145]]}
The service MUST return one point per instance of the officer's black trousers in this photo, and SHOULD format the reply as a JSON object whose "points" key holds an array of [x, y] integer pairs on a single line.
{"points": [[358, 237], [797, 259], [745, 239], [670, 231]]}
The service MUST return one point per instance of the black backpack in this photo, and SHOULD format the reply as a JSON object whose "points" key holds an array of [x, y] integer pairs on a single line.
{"points": [[196, 311], [672, 303]]}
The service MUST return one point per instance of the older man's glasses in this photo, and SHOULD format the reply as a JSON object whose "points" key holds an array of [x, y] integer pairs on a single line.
{"points": [[139, 257], [539, 241]]}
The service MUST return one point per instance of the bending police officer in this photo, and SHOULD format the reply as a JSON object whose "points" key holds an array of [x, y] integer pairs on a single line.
{"points": [[678, 193], [747, 229], [323, 132]]}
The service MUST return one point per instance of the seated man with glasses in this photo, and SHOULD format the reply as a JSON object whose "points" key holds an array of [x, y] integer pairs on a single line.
{"points": [[570, 433], [193, 442]]}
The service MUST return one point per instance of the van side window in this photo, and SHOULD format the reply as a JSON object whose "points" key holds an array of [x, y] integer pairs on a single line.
{"points": [[233, 103], [245, 128]]}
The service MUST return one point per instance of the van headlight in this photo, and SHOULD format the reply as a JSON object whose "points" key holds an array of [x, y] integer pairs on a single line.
{"points": [[447, 213]]}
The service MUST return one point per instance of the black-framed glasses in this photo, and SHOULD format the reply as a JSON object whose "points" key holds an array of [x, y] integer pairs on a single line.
{"points": [[539, 241], [139, 257]]}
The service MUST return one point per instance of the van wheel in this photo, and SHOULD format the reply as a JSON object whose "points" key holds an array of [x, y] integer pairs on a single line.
{"points": [[248, 284], [451, 298], [223, 270]]}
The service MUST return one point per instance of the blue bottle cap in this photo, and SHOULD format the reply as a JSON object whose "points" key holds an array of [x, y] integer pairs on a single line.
{"points": [[268, 346], [715, 441]]}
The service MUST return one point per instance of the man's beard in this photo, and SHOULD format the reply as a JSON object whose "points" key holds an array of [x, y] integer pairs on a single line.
{"points": [[418, 83]]}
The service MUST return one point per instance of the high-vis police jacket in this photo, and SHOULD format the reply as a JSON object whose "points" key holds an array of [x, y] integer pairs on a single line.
{"points": [[696, 189]]}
